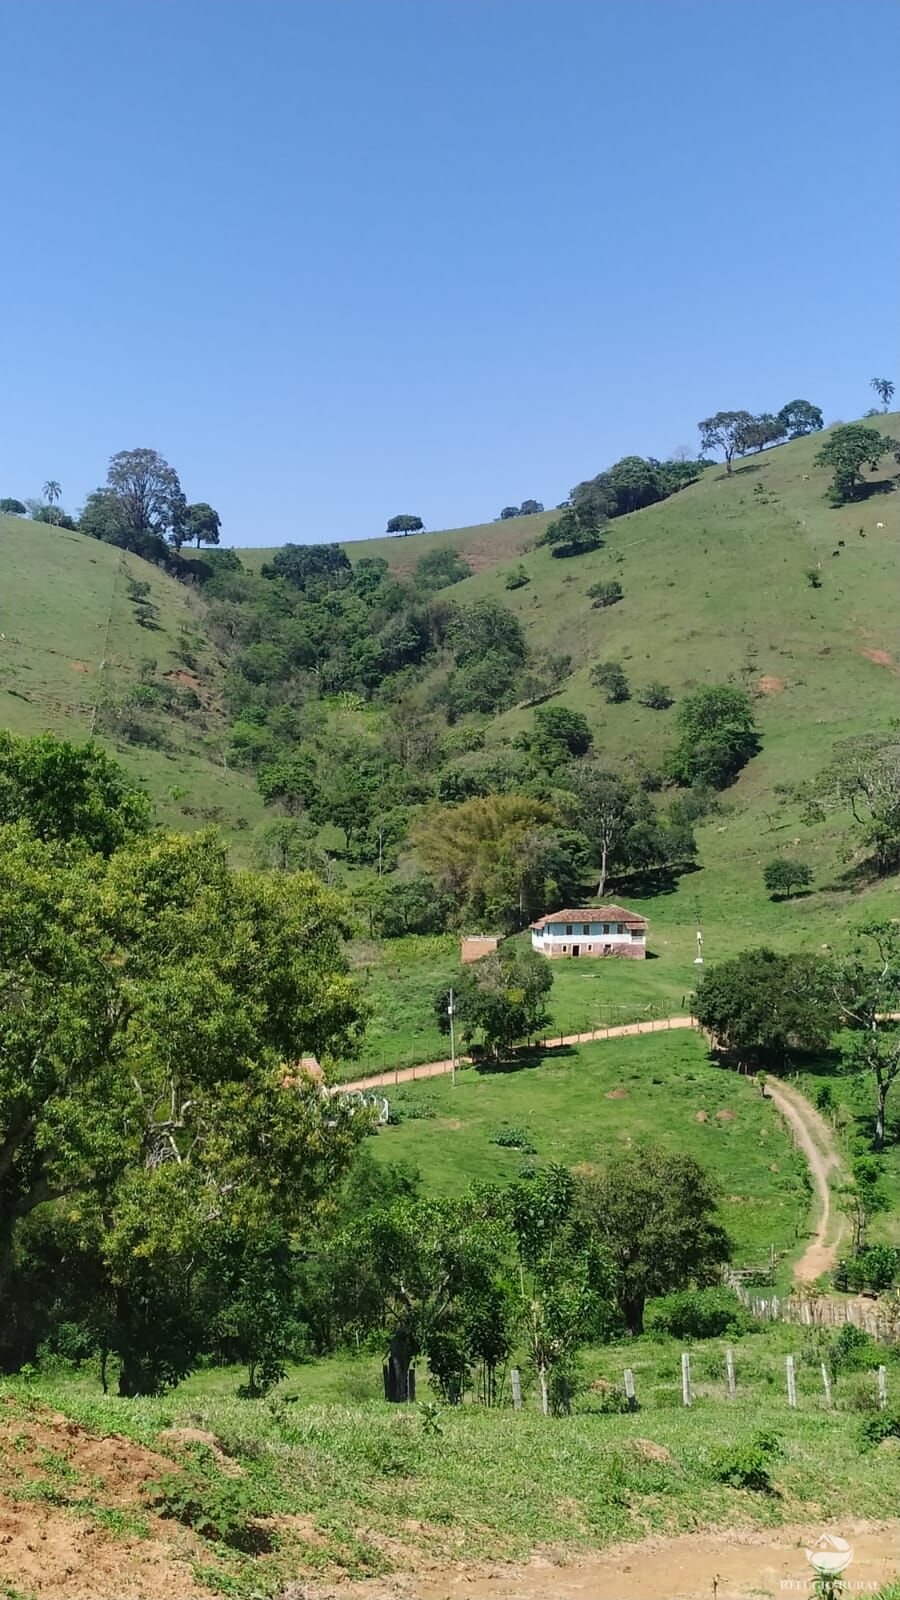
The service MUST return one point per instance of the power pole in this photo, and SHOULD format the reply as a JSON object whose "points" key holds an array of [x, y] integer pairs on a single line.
{"points": [[450, 1014]]}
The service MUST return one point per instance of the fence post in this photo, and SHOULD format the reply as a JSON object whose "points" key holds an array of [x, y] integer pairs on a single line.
{"points": [[686, 1378], [629, 1389], [729, 1372], [515, 1384], [545, 1398], [882, 1387], [826, 1384], [791, 1383]]}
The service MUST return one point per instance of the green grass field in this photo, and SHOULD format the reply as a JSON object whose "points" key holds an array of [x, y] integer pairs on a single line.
{"points": [[72, 639], [485, 546], [580, 1104], [362, 1489]]}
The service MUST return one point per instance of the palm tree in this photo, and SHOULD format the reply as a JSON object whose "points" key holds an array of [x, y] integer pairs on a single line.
{"points": [[52, 492], [884, 390]]}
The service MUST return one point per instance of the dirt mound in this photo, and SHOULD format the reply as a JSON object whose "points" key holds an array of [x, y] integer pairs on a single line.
{"points": [[649, 1450], [881, 658], [73, 1522], [770, 686], [617, 1094], [189, 1436], [724, 1116]]}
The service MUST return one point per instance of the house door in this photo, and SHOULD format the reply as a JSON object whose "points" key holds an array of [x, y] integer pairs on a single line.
{"points": [[576, 949]]}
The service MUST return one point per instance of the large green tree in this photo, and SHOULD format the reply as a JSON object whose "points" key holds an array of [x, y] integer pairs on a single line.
{"points": [[654, 1216], [846, 451], [69, 793], [200, 522], [762, 1005], [867, 991], [501, 1000], [728, 431], [150, 498], [718, 737]]}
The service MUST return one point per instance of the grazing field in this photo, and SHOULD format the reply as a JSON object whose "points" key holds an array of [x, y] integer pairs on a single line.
{"points": [[580, 1104], [73, 644], [485, 546]]}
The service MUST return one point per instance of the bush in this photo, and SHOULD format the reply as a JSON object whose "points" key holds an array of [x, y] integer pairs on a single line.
{"points": [[884, 1425], [606, 594], [656, 697], [218, 1508], [880, 1264], [747, 1463], [853, 1351], [513, 1139], [610, 675], [517, 579], [700, 1314], [786, 873]]}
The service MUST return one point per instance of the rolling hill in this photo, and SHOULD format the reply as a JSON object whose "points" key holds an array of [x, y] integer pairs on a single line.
{"points": [[76, 643]]}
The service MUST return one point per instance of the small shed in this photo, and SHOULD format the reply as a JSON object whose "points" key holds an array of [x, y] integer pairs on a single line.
{"points": [[472, 946]]}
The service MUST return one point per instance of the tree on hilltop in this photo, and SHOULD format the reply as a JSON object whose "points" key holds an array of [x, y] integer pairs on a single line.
{"points": [[884, 389], [798, 418], [726, 431], [405, 524], [52, 492], [846, 451], [202, 523], [10, 507], [151, 502]]}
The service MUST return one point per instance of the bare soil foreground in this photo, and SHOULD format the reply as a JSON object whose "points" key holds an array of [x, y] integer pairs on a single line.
{"points": [[733, 1565]]}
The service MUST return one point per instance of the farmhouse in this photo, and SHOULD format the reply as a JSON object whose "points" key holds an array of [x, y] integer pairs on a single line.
{"points": [[593, 931]]}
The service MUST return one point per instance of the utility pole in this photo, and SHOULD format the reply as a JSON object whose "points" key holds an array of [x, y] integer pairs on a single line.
{"points": [[450, 1014]]}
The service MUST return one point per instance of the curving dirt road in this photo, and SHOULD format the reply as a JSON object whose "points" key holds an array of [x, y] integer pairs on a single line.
{"points": [[815, 1139]]}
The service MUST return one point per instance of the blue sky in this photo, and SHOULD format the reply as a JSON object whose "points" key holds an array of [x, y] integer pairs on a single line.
{"points": [[340, 260]]}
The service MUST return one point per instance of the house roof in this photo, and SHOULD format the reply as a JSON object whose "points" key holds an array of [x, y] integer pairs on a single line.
{"points": [[632, 919]]}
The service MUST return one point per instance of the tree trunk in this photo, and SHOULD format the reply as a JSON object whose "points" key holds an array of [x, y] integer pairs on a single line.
{"points": [[603, 860], [633, 1312], [396, 1370], [880, 1117]]}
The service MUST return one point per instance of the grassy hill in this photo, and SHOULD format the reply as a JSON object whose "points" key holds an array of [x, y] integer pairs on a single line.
{"points": [[485, 546], [76, 646]]}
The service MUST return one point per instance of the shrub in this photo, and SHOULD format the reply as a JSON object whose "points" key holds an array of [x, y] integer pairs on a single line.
{"points": [[656, 696], [879, 1267], [814, 577], [518, 578], [853, 1351], [610, 675], [606, 594], [883, 1425], [513, 1139], [218, 1508], [747, 1464], [700, 1314]]}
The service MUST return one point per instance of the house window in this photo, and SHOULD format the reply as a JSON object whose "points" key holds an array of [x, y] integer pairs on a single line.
{"points": [[590, 947], [637, 933], [585, 927], [604, 927], [565, 949], [620, 927], [568, 927]]}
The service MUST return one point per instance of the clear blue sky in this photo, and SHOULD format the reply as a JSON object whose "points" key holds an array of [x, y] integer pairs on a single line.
{"points": [[339, 260]]}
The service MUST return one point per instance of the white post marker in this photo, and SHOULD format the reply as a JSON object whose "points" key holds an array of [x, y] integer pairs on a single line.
{"points": [[882, 1387], [826, 1384], [450, 1014], [629, 1389], [791, 1383], [515, 1384], [686, 1378], [545, 1398], [729, 1373]]}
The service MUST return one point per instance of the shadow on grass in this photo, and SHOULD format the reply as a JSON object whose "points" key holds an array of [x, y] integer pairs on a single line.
{"points": [[866, 491], [656, 881], [529, 1056], [818, 1063]]}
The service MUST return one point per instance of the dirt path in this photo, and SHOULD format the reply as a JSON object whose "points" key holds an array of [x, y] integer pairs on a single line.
{"points": [[733, 1565], [437, 1069], [814, 1137], [815, 1140]]}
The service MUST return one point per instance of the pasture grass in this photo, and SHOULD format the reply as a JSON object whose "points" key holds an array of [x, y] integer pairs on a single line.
{"points": [[581, 1104], [358, 1488]]}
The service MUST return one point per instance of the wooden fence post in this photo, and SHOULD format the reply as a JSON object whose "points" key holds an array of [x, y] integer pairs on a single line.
{"points": [[729, 1373], [629, 1389], [686, 1378], [545, 1398], [791, 1383], [515, 1383], [882, 1387], [826, 1384]]}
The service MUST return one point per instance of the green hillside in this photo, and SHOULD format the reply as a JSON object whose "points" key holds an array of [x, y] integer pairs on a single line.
{"points": [[77, 649], [484, 546]]}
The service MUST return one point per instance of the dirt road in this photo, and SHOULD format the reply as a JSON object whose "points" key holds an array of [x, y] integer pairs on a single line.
{"points": [[815, 1139], [437, 1069], [733, 1565]]}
